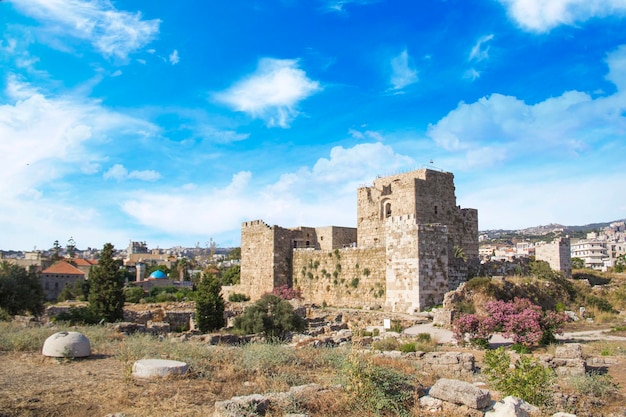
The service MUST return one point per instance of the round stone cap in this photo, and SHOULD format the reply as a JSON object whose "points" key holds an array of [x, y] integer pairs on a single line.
{"points": [[67, 345], [154, 368]]}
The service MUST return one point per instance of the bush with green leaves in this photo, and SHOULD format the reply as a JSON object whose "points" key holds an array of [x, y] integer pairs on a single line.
{"points": [[238, 297], [527, 379], [20, 290], [272, 316], [78, 315], [379, 389], [133, 294], [232, 275], [209, 304], [593, 384]]}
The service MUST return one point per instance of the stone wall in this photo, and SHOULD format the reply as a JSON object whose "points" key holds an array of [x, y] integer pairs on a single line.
{"points": [[417, 264], [257, 258], [350, 277]]}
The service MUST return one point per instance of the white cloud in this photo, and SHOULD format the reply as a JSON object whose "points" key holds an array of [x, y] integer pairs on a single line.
{"points": [[498, 127], [112, 32], [174, 58], [403, 72], [480, 51], [542, 15], [272, 92], [119, 173], [339, 5], [45, 140], [317, 196], [471, 74]]}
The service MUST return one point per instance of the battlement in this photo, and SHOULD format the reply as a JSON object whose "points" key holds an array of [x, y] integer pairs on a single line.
{"points": [[254, 223]]}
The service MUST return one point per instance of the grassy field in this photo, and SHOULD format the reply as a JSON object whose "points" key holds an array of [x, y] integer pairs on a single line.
{"points": [[33, 385]]}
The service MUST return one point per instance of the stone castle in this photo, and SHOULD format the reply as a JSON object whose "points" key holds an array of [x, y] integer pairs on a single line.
{"points": [[410, 247]]}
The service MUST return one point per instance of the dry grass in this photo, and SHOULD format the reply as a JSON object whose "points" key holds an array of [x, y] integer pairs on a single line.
{"points": [[33, 385]]}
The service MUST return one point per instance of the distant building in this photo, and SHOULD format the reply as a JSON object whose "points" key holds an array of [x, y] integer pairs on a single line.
{"points": [[57, 276], [592, 251], [557, 254]]}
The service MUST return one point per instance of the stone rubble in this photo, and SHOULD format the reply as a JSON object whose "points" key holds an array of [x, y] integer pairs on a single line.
{"points": [[460, 392]]}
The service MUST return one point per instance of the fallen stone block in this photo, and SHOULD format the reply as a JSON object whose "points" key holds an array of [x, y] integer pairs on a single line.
{"points": [[508, 407], [245, 406], [67, 345], [431, 404], [158, 368], [460, 392], [570, 351]]}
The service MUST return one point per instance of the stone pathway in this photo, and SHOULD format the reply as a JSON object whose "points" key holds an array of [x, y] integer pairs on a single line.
{"points": [[444, 336]]}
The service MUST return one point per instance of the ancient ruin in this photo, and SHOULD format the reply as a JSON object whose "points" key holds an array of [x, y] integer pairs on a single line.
{"points": [[410, 247]]}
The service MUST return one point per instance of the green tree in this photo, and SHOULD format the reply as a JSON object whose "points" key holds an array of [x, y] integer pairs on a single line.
{"points": [[270, 315], [209, 304], [578, 263], [106, 292], [67, 293], [71, 247], [20, 290], [56, 250], [234, 254], [232, 275]]}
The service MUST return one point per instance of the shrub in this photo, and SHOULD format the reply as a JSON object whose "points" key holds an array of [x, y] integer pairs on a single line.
{"points": [[594, 384], [599, 303], [238, 297], [380, 390], [78, 315], [354, 283], [287, 293], [396, 326], [133, 294], [386, 344], [527, 379], [407, 347], [520, 320], [20, 290], [270, 315]]}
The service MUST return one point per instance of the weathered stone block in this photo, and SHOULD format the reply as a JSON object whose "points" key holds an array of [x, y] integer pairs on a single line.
{"points": [[460, 392], [246, 406]]}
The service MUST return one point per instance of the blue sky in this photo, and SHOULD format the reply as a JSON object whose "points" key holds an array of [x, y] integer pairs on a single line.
{"points": [[173, 122]]}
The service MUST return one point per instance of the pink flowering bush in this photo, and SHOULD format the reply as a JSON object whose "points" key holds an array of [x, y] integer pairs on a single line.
{"points": [[287, 293], [521, 320]]}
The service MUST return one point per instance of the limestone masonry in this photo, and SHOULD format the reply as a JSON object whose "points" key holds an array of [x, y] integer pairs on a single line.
{"points": [[411, 245]]}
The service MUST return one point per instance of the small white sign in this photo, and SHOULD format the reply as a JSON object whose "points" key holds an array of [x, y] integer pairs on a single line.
{"points": [[387, 324]]}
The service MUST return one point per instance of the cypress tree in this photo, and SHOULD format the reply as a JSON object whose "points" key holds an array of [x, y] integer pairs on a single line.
{"points": [[106, 287], [209, 304]]}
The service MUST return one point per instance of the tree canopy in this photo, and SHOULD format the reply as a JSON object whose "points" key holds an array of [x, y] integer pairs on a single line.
{"points": [[20, 290], [106, 291], [209, 304], [270, 315]]}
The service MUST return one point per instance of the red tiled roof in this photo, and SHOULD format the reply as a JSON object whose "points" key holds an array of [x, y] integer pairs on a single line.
{"points": [[84, 262], [63, 267]]}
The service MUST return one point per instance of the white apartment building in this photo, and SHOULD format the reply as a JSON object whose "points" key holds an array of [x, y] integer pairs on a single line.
{"points": [[593, 252]]}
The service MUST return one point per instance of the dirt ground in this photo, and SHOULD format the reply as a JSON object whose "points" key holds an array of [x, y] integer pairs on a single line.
{"points": [[33, 385]]}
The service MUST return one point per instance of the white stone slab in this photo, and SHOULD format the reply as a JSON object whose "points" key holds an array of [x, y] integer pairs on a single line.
{"points": [[157, 368], [67, 345]]}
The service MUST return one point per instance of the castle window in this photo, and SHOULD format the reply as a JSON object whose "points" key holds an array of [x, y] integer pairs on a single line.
{"points": [[436, 211], [388, 209], [386, 189], [308, 243]]}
